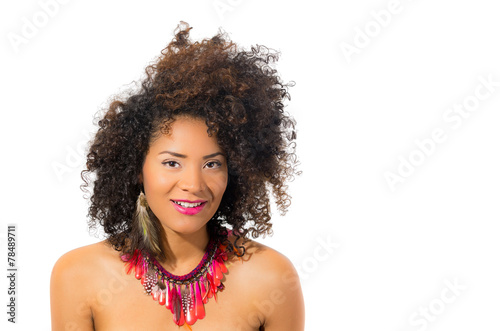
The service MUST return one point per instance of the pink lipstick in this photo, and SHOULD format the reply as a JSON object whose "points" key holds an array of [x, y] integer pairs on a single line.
{"points": [[189, 210]]}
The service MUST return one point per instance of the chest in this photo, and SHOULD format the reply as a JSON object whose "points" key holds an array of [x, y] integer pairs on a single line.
{"points": [[121, 304]]}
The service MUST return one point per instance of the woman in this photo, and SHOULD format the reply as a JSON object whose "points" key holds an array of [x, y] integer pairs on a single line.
{"points": [[180, 172]]}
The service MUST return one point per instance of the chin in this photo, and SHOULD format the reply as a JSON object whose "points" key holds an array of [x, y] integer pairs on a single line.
{"points": [[185, 227]]}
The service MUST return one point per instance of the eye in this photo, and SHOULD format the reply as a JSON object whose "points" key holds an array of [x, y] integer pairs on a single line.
{"points": [[169, 163], [216, 163]]}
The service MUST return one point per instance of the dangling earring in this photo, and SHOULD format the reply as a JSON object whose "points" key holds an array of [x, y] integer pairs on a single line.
{"points": [[149, 231]]}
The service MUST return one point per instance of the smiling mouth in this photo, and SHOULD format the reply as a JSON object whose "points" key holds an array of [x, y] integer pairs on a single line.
{"points": [[188, 204]]}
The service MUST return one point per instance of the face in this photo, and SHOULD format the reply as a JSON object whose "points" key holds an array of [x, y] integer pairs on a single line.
{"points": [[186, 165]]}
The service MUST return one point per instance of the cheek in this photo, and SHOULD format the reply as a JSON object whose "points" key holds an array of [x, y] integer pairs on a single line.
{"points": [[219, 184], [155, 179], [157, 184]]}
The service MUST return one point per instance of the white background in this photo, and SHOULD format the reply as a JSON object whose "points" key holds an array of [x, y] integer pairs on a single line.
{"points": [[358, 117]]}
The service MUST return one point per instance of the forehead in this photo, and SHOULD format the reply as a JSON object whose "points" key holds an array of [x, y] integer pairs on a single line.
{"points": [[187, 134]]}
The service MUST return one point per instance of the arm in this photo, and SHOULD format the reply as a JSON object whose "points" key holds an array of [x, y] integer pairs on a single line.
{"points": [[70, 307]]}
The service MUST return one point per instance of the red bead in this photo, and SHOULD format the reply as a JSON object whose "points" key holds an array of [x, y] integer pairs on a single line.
{"points": [[155, 292], [168, 296], [210, 287], [223, 267], [200, 309], [138, 272], [161, 297], [215, 279], [218, 271]]}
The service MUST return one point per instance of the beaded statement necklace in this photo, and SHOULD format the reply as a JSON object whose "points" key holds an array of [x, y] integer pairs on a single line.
{"points": [[185, 295]]}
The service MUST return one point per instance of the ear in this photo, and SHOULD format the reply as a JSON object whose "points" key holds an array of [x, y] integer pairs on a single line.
{"points": [[140, 178]]}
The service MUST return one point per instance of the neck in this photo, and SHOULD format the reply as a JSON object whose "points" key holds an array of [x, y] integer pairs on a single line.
{"points": [[183, 252]]}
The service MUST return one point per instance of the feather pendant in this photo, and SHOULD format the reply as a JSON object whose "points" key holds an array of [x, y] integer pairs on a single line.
{"points": [[177, 310], [150, 234], [203, 290], [149, 281], [189, 305]]}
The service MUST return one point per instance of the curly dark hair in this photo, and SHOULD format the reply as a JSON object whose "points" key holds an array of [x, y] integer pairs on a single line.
{"points": [[240, 97]]}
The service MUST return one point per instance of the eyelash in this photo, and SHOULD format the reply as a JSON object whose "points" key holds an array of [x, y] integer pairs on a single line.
{"points": [[216, 162]]}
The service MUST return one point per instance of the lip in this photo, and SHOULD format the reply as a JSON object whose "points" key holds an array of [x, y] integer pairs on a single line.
{"points": [[196, 201], [188, 211]]}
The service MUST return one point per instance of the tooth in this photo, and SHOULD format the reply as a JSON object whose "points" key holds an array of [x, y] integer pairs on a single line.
{"points": [[188, 205]]}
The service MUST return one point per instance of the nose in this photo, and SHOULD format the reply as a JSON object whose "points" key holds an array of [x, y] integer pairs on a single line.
{"points": [[192, 180]]}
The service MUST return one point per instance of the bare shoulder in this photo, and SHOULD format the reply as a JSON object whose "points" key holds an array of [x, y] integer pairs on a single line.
{"points": [[263, 261], [261, 257], [86, 259], [87, 265], [75, 276], [275, 290]]}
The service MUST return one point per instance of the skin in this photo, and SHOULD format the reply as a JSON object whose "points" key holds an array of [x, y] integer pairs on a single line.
{"points": [[90, 289]]}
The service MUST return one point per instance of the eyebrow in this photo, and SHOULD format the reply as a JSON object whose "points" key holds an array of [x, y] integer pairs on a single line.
{"points": [[185, 156]]}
